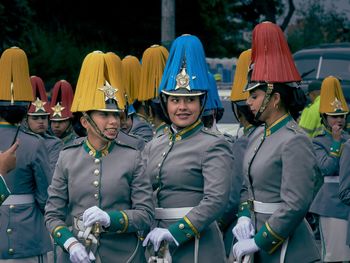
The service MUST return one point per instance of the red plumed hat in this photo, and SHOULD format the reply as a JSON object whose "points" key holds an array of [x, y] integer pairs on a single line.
{"points": [[271, 58], [40, 105], [61, 101]]}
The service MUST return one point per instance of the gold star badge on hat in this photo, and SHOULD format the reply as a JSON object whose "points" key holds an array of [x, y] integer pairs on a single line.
{"points": [[57, 110], [109, 91], [39, 105], [337, 104], [183, 80]]}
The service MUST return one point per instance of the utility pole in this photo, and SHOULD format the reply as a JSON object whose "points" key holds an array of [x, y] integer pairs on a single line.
{"points": [[168, 22]]}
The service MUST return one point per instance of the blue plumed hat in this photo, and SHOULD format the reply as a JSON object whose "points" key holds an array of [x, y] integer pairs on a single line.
{"points": [[213, 100], [186, 71]]}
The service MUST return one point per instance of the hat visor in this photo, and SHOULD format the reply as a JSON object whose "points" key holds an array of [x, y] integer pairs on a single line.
{"points": [[253, 85], [184, 92], [59, 118], [37, 113], [337, 113]]}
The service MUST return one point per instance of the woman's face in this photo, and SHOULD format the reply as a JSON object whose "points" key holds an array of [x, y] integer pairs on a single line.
{"points": [[38, 123], [254, 101], [107, 122], [338, 120], [59, 127], [183, 110]]}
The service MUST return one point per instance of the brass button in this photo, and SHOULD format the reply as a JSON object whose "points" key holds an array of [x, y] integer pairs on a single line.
{"points": [[119, 142], [12, 206], [96, 196], [205, 128], [9, 231], [95, 183], [91, 153], [119, 232], [11, 251], [274, 242], [121, 221], [159, 165], [181, 226], [97, 161], [96, 172], [170, 143], [188, 235], [178, 137], [58, 234], [157, 177], [2, 197], [264, 234], [163, 154]]}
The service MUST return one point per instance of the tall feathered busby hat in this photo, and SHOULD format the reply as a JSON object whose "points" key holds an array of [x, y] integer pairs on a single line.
{"points": [[186, 71], [15, 86], [241, 77], [131, 77], [99, 84], [271, 60], [332, 100], [40, 105], [213, 99], [154, 60], [61, 101]]}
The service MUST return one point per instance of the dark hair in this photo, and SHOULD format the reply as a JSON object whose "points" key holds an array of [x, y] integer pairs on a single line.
{"points": [[244, 110], [78, 128], [158, 111], [13, 114]]}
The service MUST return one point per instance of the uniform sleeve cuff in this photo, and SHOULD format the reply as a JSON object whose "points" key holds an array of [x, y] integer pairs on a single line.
{"points": [[267, 239], [335, 149], [4, 191], [69, 242], [61, 234], [119, 221], [244, 209], [183, 230]]}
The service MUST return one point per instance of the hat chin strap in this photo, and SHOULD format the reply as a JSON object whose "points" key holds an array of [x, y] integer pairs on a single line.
{"points": [[94, 126], [266, 100]]}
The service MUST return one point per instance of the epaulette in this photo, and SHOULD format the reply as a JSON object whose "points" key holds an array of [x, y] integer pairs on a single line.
{"points": [[293, 126], [77, 142], [215, 133], [129, 140], [229, 138]]}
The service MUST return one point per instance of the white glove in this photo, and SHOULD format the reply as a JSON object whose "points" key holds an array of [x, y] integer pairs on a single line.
{"points": [[78, 254], [156, 236], [95, 214], [244, 247], [243, 229]]}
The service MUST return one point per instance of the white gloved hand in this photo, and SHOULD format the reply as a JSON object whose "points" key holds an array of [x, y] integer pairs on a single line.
{"points": [[244, 247], [78, 254], [95, 214], [156, 236], [243, 229]]}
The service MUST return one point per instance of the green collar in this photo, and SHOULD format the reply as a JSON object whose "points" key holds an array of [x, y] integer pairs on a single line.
{"points": [[186, 132], [5, 124], [162, 127], [277, 124], [247, 130], [95, 153]]}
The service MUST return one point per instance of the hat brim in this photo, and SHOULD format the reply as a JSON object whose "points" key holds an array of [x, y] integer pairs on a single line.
{"points": [[184, 92]]}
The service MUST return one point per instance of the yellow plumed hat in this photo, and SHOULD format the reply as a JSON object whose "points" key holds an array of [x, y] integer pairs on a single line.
{"points": [[131, 76], [15, 85], [153, 63], [332, 100], [99, 84], [241, 74]]}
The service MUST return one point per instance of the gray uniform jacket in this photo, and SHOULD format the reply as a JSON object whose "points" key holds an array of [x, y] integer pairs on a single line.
{"points": [[344, 181], [54, 146], [192, 168], [22, 229], [131, 139], [116, 183], [327, 202], [279, 167], [141, 128]]}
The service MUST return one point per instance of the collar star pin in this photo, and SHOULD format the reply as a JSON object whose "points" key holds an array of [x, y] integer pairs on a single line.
{"points": [[57, 110], [39, 105], [109, 91]]}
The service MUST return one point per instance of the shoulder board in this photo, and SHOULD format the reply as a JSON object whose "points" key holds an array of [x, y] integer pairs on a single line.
{"points": [[76, 143], [215, 133], [129, 140], [293, 126]]}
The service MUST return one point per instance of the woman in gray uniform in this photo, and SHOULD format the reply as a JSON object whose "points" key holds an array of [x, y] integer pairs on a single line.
{"points": [[279, 165], [99, 197], [333, 213], [190, 166]]}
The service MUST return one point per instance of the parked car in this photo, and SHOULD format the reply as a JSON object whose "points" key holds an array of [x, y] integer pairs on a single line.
{"points": [[321, 61]]}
